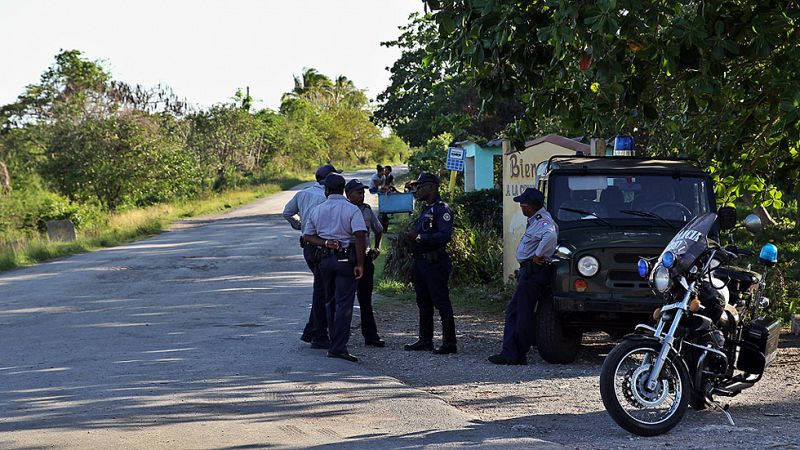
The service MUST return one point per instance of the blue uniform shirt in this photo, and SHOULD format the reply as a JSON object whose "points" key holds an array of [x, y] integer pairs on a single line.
{"points": [[335, 218], [434, 226], [540, 237], [303, 203], [370, 220]]}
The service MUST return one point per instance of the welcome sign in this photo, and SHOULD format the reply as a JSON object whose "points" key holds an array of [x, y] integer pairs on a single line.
{"points": [[519, 173]]}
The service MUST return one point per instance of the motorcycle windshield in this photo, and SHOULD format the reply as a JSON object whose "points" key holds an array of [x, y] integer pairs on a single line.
{"points": [[690, 242]]}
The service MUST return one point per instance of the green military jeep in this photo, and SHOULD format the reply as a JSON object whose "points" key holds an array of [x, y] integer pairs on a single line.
{"points": [[610, 212]]}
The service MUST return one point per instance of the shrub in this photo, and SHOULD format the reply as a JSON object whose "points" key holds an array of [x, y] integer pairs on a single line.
{"points": [[482, 208]]}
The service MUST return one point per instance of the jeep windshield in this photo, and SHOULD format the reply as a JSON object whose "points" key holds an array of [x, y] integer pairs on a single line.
{"points": [[615, 199]]}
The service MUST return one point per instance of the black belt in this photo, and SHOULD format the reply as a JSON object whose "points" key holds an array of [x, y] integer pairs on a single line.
{"points": [[341, 254], [431, 256], [532, 267]]}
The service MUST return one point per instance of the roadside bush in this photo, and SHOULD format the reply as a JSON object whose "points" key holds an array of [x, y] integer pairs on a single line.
{"points": [[476, 252], [26, 211], [431, 158], [482, 208]]}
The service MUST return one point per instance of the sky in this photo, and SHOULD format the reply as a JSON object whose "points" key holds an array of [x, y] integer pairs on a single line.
{"points": [[205, 50]]}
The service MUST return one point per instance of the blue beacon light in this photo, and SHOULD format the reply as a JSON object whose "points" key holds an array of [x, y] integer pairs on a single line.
{"points": [[668, 259], [643, 267], [768, 255]]}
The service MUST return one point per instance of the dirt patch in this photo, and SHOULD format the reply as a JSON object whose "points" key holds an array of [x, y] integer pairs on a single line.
{"points": [[561, 403]]}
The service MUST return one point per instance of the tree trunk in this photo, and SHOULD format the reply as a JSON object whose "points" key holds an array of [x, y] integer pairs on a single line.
{"points": [[5, 180]]}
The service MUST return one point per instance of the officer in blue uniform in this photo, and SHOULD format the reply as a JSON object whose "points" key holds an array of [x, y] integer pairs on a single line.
{"points": [[337, 226], [433, 229], [303, 202], [354, 190], [534, 254]]}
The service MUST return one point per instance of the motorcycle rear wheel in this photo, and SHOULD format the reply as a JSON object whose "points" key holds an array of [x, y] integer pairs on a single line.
{"points": [[626, 398]]}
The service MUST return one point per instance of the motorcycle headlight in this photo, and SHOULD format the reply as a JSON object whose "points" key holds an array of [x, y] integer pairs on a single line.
{"points": [[661, 278], [588, 266]]}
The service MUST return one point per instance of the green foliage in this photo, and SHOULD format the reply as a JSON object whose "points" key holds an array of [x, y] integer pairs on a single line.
{"points": [[712, 80], [27, 211], [119, 160], [427, 98], [482, 208], [431, 158], [475, 250]]}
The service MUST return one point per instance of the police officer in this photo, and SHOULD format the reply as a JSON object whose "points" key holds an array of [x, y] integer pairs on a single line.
{"points": [[337, 226], [534, 254], [431, 268], [303, 202], [354, 190]]}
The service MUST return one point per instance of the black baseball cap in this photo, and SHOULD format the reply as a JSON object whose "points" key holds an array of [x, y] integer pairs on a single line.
{"points": [[425, 177], [334, 181], [323, 171], [354, 184], [530, 195]]}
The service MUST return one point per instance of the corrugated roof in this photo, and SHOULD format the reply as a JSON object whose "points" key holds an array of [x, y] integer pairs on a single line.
{"points": [[561, 141]]}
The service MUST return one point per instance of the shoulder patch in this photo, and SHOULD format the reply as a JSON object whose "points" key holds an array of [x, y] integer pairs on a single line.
{"points": [[446, 216]]}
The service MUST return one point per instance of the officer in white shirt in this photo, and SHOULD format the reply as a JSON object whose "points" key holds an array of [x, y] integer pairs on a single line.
{"points": [[534, 254], [337, 226], [303, 202]]}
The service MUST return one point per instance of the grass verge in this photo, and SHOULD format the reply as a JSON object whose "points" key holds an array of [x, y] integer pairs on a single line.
{"points": [[131, 225]]}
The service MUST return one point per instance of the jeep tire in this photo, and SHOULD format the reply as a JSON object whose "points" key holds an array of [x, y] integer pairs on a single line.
{"points": [[557, 343]]}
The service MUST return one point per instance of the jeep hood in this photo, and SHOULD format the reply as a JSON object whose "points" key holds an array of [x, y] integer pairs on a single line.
{"points": [[598, 237]]}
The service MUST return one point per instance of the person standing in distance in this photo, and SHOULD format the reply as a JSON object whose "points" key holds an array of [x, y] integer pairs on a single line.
{"points": [[534, 254], [433, 229], [303, 202], [338, 227], [354, 190]]}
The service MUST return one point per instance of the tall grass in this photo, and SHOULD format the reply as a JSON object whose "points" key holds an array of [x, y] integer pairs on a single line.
{"points": [[126, 226]]}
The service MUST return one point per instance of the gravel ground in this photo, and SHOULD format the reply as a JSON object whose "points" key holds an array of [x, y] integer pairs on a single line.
{"points": [[561, 403]]}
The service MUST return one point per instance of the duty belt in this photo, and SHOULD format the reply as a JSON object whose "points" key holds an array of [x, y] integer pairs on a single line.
{"points": [[431, 256], [341, 254], [532, 267]]}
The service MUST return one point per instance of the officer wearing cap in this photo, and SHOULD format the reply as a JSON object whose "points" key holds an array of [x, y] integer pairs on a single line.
{"points": [[354, 190], [303, 202], [534, 254], [433, 229], [337, 226]]}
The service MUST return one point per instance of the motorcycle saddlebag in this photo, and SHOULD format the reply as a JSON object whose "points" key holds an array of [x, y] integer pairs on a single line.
{"points": [[759, 345]]}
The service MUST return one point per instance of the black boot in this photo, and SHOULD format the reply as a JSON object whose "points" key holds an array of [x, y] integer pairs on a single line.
{"points": [[425, 341], [448, 336]]}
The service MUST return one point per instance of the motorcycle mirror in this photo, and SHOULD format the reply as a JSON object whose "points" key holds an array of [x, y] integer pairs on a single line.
{"points": [[753, 224], [726, 215]]}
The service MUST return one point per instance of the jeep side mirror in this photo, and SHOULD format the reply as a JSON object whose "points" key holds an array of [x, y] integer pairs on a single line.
{"points": [[753, 224], [726, 216]]}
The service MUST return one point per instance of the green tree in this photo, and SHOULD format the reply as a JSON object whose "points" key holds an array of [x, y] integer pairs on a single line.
{"points": [[126, 159], [429, 96], [716, 80]]}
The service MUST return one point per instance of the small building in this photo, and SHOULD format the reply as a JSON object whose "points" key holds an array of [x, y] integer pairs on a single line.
{"points": [[519, 173], [479, 164]]}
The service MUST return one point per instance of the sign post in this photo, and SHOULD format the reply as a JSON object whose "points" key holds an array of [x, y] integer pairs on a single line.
{"points": [[454, 163]]}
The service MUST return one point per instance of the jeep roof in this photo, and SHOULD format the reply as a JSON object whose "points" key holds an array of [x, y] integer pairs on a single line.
{"points": [[577, 164]]}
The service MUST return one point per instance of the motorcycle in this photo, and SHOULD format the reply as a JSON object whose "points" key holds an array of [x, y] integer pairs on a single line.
{"points": [[712, 337]]}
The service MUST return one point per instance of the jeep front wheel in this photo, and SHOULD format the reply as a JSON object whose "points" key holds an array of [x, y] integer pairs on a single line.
{"points": [[558, 344]]}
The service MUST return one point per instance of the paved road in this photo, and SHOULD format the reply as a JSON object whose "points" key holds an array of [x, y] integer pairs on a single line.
{"points": [[190, 340]]}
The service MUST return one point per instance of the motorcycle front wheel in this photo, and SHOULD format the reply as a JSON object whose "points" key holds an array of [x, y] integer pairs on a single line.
{"points": [[623, 387]]}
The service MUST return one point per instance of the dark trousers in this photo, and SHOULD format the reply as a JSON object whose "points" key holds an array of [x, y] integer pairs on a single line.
{"points": [[430, 284], [317, 327], [518, 334], [340, 293], [364, 293]]}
